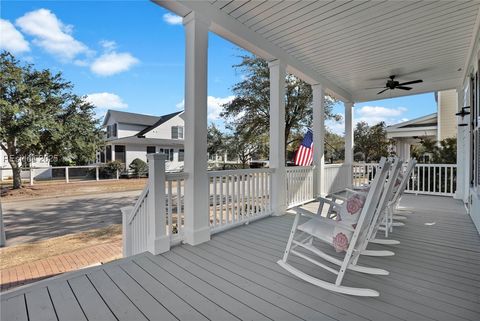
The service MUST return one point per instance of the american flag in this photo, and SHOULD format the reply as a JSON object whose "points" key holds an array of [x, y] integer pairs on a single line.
{"points": [[304, 155]]}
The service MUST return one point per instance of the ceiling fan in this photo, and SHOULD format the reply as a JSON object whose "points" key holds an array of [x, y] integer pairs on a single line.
{"points": [[394, 84]]}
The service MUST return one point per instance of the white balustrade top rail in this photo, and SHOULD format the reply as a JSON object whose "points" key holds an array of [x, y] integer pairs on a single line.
{"points": [[299, 180], [238, 197]]}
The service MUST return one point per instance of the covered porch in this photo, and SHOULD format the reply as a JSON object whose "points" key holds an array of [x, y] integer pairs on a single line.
{"points": [[214, 237], [433, 276]]}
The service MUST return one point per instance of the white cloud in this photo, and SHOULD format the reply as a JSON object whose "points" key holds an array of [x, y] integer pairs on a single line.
{"points": [[172, 19], [106, 100], [111, 63], [214, 106], [375, 114], [11, 39], [108, 45], [51, 34]]}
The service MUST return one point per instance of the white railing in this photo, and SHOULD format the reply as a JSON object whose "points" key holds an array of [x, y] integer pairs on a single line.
{"points": [[156, 220], [428, 179], [175, 187], [335, 178], [238, 197], [299, 185], [135, 226], [363, 173], [433, 179]]}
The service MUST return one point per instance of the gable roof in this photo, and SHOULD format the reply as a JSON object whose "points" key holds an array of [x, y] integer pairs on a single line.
{"points": [[160, 121], [424, 121], [130, 118]]}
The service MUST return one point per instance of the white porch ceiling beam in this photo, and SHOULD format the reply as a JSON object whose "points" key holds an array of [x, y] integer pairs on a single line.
{"points": [[234, 31]]}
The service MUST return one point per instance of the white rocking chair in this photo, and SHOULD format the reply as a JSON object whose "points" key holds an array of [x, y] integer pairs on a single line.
{"points": [[323, 229], [392, 219]]}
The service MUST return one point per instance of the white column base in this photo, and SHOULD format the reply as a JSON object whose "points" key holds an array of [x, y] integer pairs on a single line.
{"points": [[197, 236], [160, 245]]}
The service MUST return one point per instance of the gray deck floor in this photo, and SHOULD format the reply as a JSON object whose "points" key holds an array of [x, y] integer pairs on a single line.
{"points": [[435, 275]]}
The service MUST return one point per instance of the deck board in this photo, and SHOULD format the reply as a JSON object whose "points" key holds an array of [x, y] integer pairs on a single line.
{"points": [[433, 276]]}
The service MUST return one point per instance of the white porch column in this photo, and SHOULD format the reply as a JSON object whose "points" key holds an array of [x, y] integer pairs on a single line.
{"points": [[318, 129], [277, 136], [349, 139], [197, 220]]}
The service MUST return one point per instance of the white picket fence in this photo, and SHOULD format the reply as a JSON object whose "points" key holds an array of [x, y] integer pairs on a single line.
{"points": [[299, 185], [238, 197]]}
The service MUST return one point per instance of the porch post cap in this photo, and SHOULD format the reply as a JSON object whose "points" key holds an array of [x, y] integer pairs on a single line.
{"points": [[275, 62], [157, 157], [195, 16]]}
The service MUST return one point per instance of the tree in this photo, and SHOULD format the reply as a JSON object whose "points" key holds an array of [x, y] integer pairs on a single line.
{"points": [[441, 152], [216, 140], [248, 113], [334, 147], [41, 116], [371, 142]]}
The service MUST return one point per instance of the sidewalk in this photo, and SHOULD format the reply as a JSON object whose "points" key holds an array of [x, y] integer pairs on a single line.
{"points": [[41, 269]]}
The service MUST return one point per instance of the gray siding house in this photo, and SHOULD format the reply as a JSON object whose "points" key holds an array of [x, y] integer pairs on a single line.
{"points": [[130, 135]]}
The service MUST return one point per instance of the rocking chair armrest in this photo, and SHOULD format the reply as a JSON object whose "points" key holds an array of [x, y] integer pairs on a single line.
{"points": [[338, 197], [326, 200], [303, 212], [337, 223]]}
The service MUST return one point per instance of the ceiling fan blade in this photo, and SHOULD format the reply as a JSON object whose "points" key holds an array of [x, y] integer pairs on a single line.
{"points": [[411, 82], [380, 92], [404, 88]]}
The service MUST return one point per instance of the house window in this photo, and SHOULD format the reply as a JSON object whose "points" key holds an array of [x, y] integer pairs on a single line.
{"points": [[120, 153], [108, 152], [177, 132], [150, 149], [181, 155], [112, 130], [168, 152]]}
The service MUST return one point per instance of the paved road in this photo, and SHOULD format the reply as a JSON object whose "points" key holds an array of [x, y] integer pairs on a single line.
{"points": [[34, 220]]}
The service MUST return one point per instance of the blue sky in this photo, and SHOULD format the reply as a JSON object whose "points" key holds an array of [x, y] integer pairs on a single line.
{"points": [[130, 56]]}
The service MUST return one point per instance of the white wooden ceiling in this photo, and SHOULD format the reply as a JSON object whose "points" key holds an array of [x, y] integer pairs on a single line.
{"points": [[358, 44]]}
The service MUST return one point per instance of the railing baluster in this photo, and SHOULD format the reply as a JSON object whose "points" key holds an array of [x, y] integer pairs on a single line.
{"points": [[227, 200], [221, 200], [214, 201], [169, 210]]}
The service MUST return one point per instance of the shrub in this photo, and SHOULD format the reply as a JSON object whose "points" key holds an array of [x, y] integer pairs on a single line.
{"points": [[139, 167]]}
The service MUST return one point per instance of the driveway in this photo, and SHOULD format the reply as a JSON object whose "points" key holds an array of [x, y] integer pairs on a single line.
{"points": [[40, 219]]}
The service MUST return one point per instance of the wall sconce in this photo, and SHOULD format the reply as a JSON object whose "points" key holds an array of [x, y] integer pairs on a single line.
{"points": [[463, 113]]}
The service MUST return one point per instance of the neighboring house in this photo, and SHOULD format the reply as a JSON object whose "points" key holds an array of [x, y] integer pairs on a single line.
{"points": [[436, 126], [130, 135]]}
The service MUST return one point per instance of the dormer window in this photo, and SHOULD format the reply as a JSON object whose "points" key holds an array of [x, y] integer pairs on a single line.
{"points": [[177, 132], [112, 130]]}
